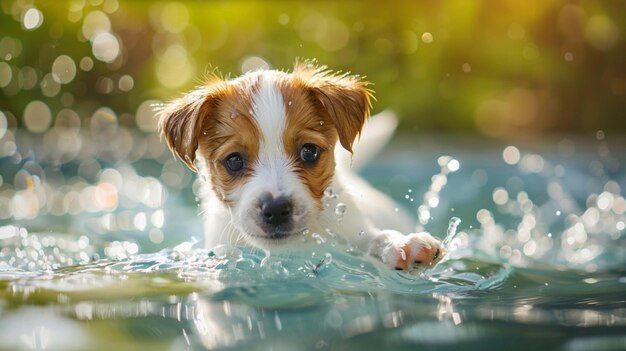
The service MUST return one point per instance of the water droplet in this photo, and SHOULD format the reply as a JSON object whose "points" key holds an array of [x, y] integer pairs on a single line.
{"points": [[340, 209], [321, 123], [318, 238], [433, 202], [451, 233], [330, 193], [453, 165], [361, 233], [328, 258], [289, 103]]}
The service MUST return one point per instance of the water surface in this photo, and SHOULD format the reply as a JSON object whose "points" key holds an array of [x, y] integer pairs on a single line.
{"points": [[537, 263]]}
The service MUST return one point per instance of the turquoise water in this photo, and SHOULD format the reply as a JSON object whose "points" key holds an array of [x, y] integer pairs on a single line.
{"points": [[106, 253]]}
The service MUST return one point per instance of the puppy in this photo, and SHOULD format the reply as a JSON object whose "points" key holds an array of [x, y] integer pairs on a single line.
{"points": [[264, 144]]}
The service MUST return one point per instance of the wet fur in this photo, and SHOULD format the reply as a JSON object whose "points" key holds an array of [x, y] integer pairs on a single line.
{"points": [[267, 116]]}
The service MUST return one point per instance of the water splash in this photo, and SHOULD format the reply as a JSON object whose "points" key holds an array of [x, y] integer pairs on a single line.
{"points": [[451, 232], [431, 197], [320, 266]]}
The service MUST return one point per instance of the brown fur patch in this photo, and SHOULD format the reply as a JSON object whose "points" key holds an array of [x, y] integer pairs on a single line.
{"points": [[232, 129], [345, 98], [321, 108]]}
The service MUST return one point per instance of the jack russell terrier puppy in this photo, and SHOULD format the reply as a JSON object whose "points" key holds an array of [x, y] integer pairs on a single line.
{"points": [[265, 142]]}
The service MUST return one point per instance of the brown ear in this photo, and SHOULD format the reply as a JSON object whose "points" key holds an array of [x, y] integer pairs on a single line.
{"points": [[181, 121], [346, 98]]}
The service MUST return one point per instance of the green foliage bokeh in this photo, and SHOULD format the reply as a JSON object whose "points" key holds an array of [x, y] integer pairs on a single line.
{"points": [[500, 68]]}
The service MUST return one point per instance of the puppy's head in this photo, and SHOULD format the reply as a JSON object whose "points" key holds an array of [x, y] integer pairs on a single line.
{"points": [[267, 139]]}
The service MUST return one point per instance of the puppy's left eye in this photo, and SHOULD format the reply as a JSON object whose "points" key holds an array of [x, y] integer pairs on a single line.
{"points": [[234, 163], [309, 153]]}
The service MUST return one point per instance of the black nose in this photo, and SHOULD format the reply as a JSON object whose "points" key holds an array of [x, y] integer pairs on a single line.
{"points": [[275, 211]]}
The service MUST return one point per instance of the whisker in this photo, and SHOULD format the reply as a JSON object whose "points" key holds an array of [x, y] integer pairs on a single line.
{"points": [[227, 228]]}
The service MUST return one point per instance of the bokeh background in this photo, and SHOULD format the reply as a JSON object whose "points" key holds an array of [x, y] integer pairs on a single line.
{"points": [[499, 68], [79, 79]]}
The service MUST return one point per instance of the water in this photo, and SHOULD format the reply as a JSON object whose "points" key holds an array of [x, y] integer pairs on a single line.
{"points": [[536, 260], [196, 299]]}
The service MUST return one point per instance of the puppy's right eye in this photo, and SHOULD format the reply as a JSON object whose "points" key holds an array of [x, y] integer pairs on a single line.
{"points": [[309, 153], [234, 163]]}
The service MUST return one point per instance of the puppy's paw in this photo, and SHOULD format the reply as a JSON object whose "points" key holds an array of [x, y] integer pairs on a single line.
{"points": [[413, 251]]}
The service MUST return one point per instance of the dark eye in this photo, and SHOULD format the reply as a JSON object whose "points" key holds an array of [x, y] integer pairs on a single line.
{"points": [[309, 153], [234, 163]]}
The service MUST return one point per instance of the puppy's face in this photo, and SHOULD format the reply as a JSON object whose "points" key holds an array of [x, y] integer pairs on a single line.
{"points": [[267, 139]]}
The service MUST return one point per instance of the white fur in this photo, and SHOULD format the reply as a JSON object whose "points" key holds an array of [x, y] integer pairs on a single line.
{"points": [[273, 172]]}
